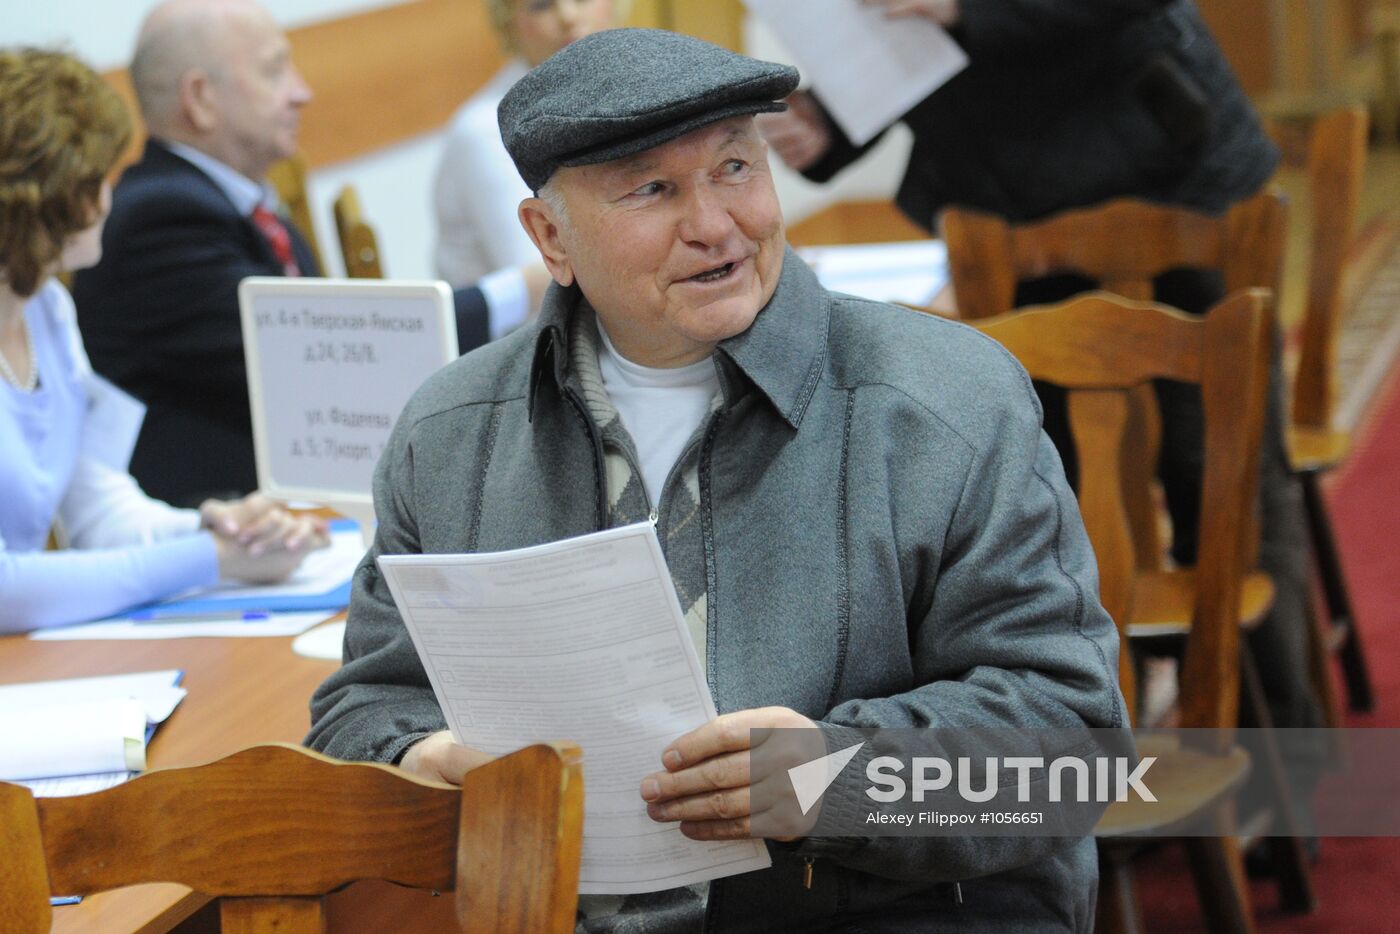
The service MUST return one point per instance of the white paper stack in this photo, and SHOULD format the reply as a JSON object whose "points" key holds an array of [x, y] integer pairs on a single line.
{"points": [[77, 735]]}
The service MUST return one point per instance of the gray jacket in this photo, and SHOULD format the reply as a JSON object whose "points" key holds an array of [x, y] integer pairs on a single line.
{"points": [[889, 541]]}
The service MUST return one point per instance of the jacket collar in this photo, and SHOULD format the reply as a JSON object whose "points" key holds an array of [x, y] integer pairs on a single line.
{"points": [[782, 353], [243, 193]]}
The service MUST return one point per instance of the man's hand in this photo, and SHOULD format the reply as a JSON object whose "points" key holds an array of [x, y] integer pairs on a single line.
{"points": [[259, 525], [943, 12], [708, 785], [799, 135], [438, 758]]}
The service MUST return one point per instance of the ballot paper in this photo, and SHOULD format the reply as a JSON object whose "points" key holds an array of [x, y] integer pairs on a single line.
{"points": [[868, 69], [579, 640]]}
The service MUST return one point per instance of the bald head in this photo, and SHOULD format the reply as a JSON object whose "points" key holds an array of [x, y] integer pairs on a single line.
{"points": [[217, 75]]}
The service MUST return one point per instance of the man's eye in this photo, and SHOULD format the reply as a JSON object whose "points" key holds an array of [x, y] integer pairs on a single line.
{"points": [[734, 167], [650, 188]]}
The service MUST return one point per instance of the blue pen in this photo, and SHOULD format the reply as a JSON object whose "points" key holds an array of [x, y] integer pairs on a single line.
{"points": [[186, 616]]}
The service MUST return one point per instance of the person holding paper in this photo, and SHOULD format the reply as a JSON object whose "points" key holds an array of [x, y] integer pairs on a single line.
{"points": [[1061, 105], [1064, 105], [477, 189], [63, 131], [863, 521]]}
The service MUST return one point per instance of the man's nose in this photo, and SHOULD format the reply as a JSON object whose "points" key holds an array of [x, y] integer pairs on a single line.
{"points": [[301, 91], [706, 219]]}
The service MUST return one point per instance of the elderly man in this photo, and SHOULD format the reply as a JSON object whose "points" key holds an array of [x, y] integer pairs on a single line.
{"points": [[865, 524], [222, 101]]}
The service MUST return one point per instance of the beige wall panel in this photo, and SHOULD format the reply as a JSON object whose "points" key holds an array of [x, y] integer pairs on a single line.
{"points": [[390, 74]]}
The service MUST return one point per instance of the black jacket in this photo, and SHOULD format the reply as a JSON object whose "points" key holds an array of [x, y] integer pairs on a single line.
{"points": [[159, 316], [1069, 102]]}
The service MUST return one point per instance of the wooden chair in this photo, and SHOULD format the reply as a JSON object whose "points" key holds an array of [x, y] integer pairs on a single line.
{"points": [[358, 244], [288, 177], [1330, 148], [1100, 348], [1124, 245], [272, 829]]}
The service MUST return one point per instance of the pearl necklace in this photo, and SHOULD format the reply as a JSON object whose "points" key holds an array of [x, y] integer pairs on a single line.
{"points": [[30, 384]]}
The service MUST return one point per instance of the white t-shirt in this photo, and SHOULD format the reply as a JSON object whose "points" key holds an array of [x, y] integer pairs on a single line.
{"points": [[660, 408]]}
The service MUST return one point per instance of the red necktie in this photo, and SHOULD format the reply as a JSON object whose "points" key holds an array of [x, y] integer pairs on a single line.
{"points": [[272, 228]]}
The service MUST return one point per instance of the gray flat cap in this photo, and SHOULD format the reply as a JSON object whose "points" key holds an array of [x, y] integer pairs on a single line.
{"points": [[622, 91]]}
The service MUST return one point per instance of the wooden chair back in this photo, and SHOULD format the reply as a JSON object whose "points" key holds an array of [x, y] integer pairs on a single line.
{"points": [[1122, 245], [288, 178], [1330, 148], [271, 829], [1100, 347], [358, 244]]}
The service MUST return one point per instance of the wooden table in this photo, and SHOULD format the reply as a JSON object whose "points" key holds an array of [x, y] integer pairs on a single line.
{"points": [[241, 692]]}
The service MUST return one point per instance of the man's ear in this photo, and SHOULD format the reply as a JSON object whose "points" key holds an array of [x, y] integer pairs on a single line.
{"points": [[197, 99], [539, 222]]}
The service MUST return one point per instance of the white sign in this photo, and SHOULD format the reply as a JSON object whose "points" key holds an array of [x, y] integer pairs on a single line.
{"points": [[869, 69], [331, 364]]}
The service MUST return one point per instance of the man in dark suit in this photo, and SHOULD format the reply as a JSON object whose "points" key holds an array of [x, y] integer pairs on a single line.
{"points": [[222, 101]]}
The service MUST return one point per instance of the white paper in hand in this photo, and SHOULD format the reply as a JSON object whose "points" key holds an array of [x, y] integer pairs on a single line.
{"points": [[869, 70], [579, 640]]}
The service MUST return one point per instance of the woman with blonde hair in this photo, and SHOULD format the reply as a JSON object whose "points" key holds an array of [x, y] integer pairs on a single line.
{"points": [[477, 189], [63, 132]]}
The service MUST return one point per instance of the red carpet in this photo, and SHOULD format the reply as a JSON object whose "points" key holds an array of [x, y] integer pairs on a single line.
{"points": [[1357, 880]]}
